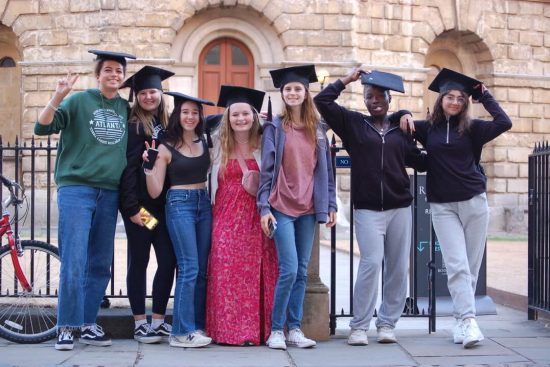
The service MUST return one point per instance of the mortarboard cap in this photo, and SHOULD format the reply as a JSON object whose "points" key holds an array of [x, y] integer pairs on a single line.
{"points": [[147, 77], [304, 74], [119, 57], [386, 81], [180, 97], [448, 79], [230, 94]]}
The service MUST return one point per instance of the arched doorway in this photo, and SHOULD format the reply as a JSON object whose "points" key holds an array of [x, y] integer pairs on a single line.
{"points": [[224, 61], [10, 80]]}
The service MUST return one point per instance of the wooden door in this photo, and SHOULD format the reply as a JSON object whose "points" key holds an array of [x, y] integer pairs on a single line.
{"points": [[224, 61]]}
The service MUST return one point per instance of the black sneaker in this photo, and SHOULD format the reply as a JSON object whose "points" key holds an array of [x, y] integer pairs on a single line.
{"points": [[164, 330], [94, 335], [65, 339], [145, 334]]}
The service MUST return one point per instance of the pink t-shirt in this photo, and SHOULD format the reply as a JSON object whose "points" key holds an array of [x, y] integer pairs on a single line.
{"points": [[293, 191]]}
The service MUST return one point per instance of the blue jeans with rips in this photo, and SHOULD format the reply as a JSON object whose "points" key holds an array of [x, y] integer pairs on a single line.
{"points": [[189, 222], [87, 223], [294, 241]]}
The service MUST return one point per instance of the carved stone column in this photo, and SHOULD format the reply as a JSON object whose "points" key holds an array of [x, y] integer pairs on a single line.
{"points": [[315, 322]]}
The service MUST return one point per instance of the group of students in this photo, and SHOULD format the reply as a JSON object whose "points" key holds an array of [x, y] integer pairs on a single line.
{"points": [[236, 205]]}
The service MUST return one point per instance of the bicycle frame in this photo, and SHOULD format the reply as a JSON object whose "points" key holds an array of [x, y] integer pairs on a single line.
{"points": [[5, 229]]}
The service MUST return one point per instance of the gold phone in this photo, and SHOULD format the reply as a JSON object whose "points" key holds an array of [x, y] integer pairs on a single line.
{"points": [[148, 219]]}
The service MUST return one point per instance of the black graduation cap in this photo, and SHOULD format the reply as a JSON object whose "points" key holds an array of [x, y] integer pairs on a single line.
{"points": [[180, 97], [448, 79], [230, 94], [386, 81], [147, 77], [304, 74], [119, 57]]}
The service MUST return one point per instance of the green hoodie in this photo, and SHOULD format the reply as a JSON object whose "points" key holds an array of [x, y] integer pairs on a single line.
{"points": [[92, 144]]}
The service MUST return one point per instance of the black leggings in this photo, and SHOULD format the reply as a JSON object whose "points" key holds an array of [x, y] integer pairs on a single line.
{"points": [[139, 247]]}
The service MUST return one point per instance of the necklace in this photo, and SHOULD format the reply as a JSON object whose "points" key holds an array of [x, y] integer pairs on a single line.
{"points": [[241, 141]]}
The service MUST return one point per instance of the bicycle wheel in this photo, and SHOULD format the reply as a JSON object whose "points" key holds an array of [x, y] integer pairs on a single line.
{"points": [[29, 317]]}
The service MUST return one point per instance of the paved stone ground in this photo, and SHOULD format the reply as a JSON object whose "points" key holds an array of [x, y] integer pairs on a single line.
{"points": [[511, 340]]}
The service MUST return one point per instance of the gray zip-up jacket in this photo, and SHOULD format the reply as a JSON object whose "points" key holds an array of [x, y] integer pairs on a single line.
{"points": [[324, 192]]}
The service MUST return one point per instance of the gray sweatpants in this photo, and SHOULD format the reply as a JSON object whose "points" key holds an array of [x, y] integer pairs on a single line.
{"points": [[381, 236], [461, 228]]}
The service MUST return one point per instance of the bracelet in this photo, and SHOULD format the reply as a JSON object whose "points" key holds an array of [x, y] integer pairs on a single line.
{"points": [[50, 105], [148, 172]]}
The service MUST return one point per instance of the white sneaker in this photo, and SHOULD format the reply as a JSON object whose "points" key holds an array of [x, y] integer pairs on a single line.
{"points": [[472, 334], [276, 340], [458, 332], [386, 335], [298, 339], [358, 337], [192, 340]]}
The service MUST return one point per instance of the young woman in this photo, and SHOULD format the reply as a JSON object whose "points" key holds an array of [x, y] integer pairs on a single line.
{"points": [[379, 152], [456, 187], [148, 119], [296, 191], [90, 158], [242, 269], [184, 159]]}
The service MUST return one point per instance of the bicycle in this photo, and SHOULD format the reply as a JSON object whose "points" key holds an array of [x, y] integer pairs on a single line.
{"points": [[29, 279]]}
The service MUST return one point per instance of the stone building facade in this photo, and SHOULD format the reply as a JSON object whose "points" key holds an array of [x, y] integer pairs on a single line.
{"points": [[505, 43]]}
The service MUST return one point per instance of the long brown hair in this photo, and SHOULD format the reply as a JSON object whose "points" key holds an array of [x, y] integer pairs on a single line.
{"points": [[463, 118], [174, 130], [146, 118], [308, 115], [227, 135]]}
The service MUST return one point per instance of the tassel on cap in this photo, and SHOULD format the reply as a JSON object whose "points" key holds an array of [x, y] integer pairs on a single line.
{"points": [[269, 111]]}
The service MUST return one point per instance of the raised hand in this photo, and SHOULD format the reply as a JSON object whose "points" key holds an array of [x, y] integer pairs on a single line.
{"points": [[145, 155], [354, 75], [65, 85]]}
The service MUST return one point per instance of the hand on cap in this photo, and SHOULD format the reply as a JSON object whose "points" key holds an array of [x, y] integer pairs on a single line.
{"points": [[354, 75], [65, 85], [479, 90]]}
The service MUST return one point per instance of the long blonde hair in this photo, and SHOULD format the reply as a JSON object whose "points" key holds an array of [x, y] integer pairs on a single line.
{"points": [[146, 118], [308, 115], [227, 135]]}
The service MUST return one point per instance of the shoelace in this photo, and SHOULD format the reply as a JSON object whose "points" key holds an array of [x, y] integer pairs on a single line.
{"points": [[66, 335], [96, 329], [166, 326], [148, 328]]}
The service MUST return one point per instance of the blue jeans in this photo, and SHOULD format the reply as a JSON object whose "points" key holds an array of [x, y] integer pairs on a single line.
{"points": [[293, 240], [189, 222], [87, 223]]}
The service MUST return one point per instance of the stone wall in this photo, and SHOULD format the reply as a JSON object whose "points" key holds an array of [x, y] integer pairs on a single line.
{"points": [[506, 43]]}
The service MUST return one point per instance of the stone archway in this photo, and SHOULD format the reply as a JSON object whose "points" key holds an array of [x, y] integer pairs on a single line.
{"points": [[10, 79], [242, 24], [462, 51]]}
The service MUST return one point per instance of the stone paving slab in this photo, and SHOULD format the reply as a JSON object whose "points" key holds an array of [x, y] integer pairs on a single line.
{"points": [[338, 353]]}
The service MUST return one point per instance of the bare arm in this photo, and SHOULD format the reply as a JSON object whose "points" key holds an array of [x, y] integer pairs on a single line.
{"points": [[64, 87]]}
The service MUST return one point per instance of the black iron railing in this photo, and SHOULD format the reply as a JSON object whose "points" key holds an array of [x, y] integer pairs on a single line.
{"points": [[538, 275]]}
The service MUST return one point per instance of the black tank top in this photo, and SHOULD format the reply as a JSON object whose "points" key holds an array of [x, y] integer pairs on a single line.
{"points": [[184, 170]]}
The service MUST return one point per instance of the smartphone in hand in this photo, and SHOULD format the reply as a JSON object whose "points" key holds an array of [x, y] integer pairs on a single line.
{"points": [[272, 229], [152, 156]]}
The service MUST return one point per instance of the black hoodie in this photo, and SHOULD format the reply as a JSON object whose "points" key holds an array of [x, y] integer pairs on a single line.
{"points": [[378, 176], [453, 170]]}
